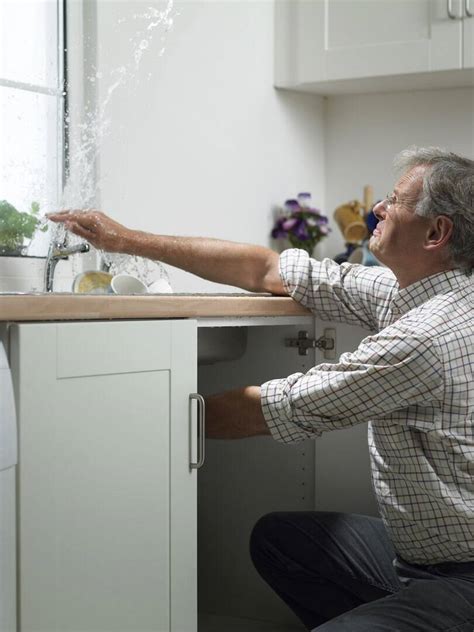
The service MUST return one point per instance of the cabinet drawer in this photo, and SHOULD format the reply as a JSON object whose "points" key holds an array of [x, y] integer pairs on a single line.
{"points": [[110, 348]]}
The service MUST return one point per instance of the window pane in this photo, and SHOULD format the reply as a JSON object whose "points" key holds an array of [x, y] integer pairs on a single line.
{"points": [[30, 158], [29, 41]]}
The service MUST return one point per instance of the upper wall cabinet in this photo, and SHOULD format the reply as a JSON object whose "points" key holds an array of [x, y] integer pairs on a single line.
{"points": [[344, 46]]}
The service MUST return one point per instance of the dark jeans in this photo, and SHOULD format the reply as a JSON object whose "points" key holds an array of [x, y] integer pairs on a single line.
{"points": [[337, 573]]}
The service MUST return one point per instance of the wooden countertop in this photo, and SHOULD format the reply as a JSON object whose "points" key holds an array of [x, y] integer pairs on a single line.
{"points": [[48, 307]]}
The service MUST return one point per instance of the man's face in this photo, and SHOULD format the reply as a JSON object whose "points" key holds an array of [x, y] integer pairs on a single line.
{"points": [[398, 239]]}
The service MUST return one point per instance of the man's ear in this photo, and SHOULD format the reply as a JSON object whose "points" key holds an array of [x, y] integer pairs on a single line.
{"points": [[439, 232]]}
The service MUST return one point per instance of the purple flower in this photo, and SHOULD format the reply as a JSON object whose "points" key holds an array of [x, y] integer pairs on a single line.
{"points": [[292, 205], [301, 232], [278, 230], [302, 225], [277, 233], [290, 223]]}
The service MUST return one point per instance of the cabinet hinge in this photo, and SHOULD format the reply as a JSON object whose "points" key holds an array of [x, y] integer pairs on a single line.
{"points": [[327, 342]]}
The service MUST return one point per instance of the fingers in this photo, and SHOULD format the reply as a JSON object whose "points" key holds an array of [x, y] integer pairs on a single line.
{"points": [[81, 216], [59, 216], [79, 221], [82, 223], [79, 230], [101, 231]]}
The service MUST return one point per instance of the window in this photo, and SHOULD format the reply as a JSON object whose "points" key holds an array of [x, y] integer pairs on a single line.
{"points": [[31, 105]]}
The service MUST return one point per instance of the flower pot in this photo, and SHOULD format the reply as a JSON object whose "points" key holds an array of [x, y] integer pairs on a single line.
{"points": [[21, 274]]}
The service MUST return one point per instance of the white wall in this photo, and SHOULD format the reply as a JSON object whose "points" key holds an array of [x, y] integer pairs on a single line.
{"points": [[206, 146]]}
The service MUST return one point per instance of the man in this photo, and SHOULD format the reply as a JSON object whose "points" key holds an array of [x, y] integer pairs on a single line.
{"points": [[411, 379]]}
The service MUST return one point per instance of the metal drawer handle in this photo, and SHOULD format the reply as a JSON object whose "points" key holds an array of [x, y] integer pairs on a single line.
{"points": [[201, 431], [467, 6]]}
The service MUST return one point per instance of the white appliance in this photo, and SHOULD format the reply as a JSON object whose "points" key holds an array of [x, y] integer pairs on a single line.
{"points": [[8, 461]]}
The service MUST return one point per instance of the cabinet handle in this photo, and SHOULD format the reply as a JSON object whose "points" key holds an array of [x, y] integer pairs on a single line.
{"points": [[467, 6], [451, 14], [201, 428]]}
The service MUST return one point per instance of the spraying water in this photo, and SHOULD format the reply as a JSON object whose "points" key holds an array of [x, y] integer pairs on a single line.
{"points": [[86, 137]]}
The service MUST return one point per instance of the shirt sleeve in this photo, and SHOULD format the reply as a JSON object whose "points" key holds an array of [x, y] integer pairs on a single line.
{"points": [[390, 371], [348, 293]]}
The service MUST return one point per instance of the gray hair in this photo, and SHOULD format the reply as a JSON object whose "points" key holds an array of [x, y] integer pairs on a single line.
{"points": [[448, 189]]}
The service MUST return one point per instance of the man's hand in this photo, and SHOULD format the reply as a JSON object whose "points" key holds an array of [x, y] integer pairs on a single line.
{"points": [[235, 414], [101, 231]]}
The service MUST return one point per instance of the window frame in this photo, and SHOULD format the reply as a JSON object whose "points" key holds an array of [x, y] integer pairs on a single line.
{"points": [[60, 92]]}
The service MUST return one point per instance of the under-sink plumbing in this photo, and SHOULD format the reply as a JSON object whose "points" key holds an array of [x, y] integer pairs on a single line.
{"points": [[57, 251]]}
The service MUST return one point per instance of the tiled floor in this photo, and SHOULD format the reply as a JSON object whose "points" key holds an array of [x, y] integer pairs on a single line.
{"points": [[214, 623]]}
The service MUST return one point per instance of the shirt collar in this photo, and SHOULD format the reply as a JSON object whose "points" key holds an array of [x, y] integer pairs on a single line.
{"points": [[421, 291]]}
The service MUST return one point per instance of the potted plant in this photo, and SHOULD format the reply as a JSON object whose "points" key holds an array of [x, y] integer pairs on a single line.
{"points": [[15, 227], [299, 223]]}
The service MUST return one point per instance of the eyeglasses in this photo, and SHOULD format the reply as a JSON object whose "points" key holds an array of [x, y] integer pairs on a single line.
{"points": [[389, 201]]}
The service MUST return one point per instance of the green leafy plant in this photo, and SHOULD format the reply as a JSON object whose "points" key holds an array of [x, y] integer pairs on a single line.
{"points": [[16, 226]]}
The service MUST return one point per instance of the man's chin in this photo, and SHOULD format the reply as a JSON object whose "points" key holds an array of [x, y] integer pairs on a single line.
{"points": [[374, 247]]}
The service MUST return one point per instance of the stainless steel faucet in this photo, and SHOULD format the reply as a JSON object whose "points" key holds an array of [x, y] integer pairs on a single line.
{"points": [[57, 251]]}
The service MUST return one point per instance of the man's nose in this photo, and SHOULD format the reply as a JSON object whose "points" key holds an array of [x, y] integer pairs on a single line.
{"points": [[379, 209]]}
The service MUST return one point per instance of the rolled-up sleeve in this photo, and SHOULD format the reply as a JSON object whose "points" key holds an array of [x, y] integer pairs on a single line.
{"points": [[348, 293], [389, 371]]}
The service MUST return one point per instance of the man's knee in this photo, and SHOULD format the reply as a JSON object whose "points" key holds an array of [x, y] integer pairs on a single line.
{"points": [[282, 538], [262, 536]]}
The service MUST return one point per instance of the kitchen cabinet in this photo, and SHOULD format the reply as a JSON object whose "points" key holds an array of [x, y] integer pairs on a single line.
{"points": [[343, 46], [115, 530], [106, 498]]}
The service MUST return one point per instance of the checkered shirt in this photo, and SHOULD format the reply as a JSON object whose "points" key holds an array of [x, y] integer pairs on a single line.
{"points": [[411, 379]]}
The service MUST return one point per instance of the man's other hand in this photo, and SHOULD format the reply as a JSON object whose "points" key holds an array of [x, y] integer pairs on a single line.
{"points": [[235, 414]]}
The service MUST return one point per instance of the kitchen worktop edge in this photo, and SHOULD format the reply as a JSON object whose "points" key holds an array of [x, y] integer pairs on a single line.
{"points": [[53, 307]]}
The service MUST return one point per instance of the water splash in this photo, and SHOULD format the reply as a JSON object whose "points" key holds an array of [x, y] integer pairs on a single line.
{"points": [[86, 138], [146, 270]]}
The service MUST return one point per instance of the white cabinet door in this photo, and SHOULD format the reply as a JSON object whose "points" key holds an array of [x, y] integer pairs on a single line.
{"points": [[390, 37], [330, 40], [106, 498]]}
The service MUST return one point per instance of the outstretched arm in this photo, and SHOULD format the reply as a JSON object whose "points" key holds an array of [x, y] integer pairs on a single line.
{"points": [[252, 268]]}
